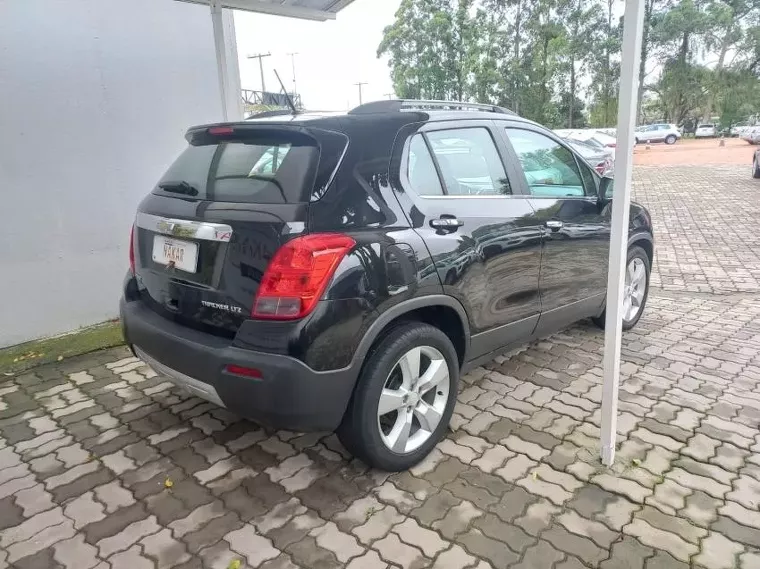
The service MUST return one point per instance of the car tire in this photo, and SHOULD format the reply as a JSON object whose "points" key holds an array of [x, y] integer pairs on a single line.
{"points": [[371, 436], [671, 139], [637, 257], [755, 168]]}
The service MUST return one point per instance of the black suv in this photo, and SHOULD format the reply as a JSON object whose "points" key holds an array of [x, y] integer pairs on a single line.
{"points": [[339, 272]]}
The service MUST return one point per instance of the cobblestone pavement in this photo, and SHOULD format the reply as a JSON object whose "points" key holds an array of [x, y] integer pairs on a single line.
{"points": [[104, 464]]}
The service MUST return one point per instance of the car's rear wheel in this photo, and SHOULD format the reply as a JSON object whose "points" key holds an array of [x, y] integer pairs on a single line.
{"points": [[635, 289], [404, 398], [671, 139], [755, 168]]}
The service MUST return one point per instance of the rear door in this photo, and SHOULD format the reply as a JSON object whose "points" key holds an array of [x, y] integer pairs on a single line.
{"points": [[206, 233], [576, 226], [484, 243]]}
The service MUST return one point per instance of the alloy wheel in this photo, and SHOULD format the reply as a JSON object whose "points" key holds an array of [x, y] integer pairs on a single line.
{"points": [[635, 288], [413, 399]]}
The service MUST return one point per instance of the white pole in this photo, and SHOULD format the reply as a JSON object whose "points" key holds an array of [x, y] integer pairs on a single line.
{"points": [[226, 61], [627, 100]]}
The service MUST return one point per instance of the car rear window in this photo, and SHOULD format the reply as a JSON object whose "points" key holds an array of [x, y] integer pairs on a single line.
{"points": [[268, 169]]}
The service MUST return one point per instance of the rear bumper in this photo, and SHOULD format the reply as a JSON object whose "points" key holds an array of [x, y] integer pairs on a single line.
{"points": [[289, 395]]}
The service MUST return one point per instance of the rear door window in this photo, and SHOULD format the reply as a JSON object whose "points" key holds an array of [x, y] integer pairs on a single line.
{"points": [[469, 162]]}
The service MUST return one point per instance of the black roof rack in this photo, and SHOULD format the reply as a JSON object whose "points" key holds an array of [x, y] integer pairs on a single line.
{"points": [[397, 105]]}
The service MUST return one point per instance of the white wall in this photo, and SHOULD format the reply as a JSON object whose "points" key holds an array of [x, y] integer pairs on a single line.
{"points": [[95, 96]]}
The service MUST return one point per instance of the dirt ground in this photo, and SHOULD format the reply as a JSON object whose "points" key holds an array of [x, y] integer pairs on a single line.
{"points": [[691, 151]]}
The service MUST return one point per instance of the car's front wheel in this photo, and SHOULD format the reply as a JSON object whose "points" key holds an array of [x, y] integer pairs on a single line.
{"points": [[635, 289], [755, 168], [404, 398], [671, 139]]}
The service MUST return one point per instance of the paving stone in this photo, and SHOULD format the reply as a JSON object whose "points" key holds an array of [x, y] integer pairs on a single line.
{"points": [[255, 548], [540, 556], [32, 501], [669, 496], [627, 553], [457, 520], [75, 553], [403, 501], [573, 544], [717, 552], [749, 559], [30, 527], [463, 489], [493, 458], [164, 549], [701, 509], [307, 553], [435, 507], [660, 539], [512, 535], [665, 522], [378, 524], [696, 482], [40, 541], [595, 531], [127, 537], [370, 560], [662, 560], [130, 559], [537, 517], [515, 468], [343, 545], [496, 552], [84, 510], [736, 531], [196, 519]]}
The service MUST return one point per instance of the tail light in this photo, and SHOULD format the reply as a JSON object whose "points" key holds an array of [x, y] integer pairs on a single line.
{"points": [[298, 275], [601, 168], [611, 145], [132, 249]]}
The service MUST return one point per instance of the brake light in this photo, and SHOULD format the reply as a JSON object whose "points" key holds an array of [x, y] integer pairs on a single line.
{"points": [[298, 275], [601, 168], [611, 144], [244, 371], [220, 130], [132, 250]]}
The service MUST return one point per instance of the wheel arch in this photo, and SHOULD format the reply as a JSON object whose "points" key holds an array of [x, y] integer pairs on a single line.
{"points": [[441, 311]]}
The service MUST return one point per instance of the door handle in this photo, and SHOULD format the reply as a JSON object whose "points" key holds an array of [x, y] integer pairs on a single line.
{"points": [[554, 224], [448, 224]]}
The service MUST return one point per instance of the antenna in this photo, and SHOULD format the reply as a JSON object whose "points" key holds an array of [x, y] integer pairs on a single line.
{"points": [[290, 101]]}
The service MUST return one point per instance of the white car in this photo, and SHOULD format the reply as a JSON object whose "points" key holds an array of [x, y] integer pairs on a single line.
{"points": [[599, 140], [660, 132], [706, 131]]}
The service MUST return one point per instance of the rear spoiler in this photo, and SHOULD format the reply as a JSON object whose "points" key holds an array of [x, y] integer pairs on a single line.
{"points": [[231, 131]]}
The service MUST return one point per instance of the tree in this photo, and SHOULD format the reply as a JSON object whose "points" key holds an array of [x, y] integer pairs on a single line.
{"points": [[571, 111], [581, 22]]}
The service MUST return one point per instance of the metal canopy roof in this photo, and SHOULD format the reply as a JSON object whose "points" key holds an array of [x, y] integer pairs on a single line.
{"points": [[319, 10]]}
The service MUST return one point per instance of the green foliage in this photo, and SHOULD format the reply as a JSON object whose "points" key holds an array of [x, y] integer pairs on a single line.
{"points": [[558, 61]]}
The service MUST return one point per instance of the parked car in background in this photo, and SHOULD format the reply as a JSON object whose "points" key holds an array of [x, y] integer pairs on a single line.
{"points": [[591, 137], [756, 164], [661, 132], [706, 131], [752, 134], [299, 270], [600, 159]]}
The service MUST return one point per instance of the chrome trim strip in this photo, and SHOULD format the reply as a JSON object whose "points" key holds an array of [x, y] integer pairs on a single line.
{"points": [[195, 387], [184, 227]]}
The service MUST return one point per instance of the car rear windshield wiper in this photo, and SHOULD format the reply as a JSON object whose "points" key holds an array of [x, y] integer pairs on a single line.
{"points": [[179, 187]]}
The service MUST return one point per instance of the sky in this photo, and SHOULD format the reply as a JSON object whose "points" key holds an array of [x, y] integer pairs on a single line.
{"points": [[332, 56]]}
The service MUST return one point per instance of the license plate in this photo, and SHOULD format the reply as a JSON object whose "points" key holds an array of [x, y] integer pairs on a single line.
{"points": [[182, 255]]}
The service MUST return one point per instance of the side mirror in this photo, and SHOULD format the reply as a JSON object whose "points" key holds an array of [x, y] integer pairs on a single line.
{"points": [[606, 187]]}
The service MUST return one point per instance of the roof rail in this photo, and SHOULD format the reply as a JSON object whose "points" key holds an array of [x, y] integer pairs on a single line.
{"points": [[397, 105], [273, 113]]}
